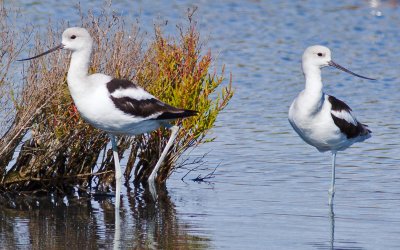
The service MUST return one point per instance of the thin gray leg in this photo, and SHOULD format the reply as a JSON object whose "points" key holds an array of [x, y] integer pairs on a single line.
{"points": [[118, 173], [153, 174], [332, 219], [332, 189]]}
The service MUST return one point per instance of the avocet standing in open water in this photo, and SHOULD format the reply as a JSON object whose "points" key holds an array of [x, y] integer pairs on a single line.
{"points": [[119, 107], [322, 120]]}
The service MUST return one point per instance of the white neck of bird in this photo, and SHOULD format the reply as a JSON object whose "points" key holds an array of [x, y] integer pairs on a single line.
{"points": [[312, 75], [79, 65]]}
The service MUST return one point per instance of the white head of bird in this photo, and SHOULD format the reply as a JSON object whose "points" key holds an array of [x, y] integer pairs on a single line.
{"points": [[76, 39], [316, 57], [79, 41]]}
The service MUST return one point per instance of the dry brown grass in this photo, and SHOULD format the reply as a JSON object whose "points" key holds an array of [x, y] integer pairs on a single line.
{"points": [[61, 151]]}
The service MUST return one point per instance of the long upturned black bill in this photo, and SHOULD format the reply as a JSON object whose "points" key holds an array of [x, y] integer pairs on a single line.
{"points": [[333, 64], [44, 53]]}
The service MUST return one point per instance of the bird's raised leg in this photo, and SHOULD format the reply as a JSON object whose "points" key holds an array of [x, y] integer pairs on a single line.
{"points": [[118, 173], [332, 189], [152, 177]]}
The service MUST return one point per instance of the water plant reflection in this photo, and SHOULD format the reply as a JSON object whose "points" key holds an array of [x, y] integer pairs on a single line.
{"points": [[51, 222]]}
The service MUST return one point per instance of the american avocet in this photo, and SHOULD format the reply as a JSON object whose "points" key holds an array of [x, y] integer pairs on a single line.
{"points": [[322, 120], [119, 107]]}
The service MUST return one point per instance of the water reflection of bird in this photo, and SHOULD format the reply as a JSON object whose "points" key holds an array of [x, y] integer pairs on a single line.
{"points": [[321, 120], [119, 107], [86, 223]]}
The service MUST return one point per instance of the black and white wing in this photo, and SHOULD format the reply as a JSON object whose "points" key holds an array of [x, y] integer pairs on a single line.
{"points": [[343, 117], [135, 101]]}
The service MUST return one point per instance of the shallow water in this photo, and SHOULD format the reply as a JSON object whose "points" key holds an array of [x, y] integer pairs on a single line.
{"points": [[270, 190]]}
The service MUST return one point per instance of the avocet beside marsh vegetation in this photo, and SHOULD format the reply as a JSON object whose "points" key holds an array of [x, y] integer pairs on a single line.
{"points": [[116, 106]]}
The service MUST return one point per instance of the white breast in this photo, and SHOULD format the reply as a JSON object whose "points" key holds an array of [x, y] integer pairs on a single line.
{"points": [[314, 124]]}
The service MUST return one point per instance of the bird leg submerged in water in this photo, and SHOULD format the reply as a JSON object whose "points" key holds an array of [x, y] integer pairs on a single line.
{"points": [[152, 178], [118, 172], [332, 189]]}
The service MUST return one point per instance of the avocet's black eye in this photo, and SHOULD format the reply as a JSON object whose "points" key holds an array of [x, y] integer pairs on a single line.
{"points": [[73, 37], [319, 54]]}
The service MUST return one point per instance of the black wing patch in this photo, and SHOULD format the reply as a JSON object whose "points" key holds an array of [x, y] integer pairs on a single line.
{"points": [[349, 129], [116, 84], [338, 105], [144, 107], [149, 107]]}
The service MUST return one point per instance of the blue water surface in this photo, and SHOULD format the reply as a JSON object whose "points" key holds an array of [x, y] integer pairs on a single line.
{"points": [[270, 189]]}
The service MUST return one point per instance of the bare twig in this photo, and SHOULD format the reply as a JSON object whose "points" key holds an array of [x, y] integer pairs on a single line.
{"points": [[207, 177]]}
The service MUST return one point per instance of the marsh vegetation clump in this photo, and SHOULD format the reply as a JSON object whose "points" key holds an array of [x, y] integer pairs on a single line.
{"points": [[46, 146]]}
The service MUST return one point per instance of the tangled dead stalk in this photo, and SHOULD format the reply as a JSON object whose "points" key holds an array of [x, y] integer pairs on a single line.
{"points": [[46, 145]]}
